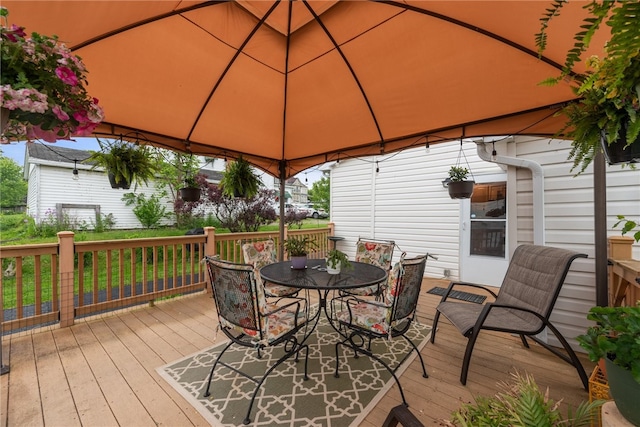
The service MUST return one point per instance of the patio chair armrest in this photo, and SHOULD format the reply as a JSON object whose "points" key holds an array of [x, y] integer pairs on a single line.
{"points": [[351, 299], [453, 284], [490, 306], [296, 301]]}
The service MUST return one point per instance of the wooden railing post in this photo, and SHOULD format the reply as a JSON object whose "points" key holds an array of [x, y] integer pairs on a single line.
{"points": [[284, 255], [66, 253], [623, 271], [332, 229], [620, 247], [209, 250]]}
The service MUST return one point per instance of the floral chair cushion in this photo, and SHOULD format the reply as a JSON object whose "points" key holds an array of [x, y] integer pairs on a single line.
{"points": [[275, 323], [367, 315], [376, 253], [391, 289], [235, 292], [379, 317], [260, 254]]}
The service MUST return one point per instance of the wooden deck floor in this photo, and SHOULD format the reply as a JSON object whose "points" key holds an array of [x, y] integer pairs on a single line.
{"points": [[101, 371]]}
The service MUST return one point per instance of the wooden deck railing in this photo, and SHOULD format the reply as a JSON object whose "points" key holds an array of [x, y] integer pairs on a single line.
{"points": [[57, 282]]}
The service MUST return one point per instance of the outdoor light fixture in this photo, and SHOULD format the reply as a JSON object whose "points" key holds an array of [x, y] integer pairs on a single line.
{"points": [[75, 169], [427, 149]]}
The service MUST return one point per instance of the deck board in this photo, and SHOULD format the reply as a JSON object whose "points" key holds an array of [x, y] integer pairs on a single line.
{"points": [[57, 402], [102, 370]]}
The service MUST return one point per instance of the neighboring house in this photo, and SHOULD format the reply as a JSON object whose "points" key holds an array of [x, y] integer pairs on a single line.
{"points": [[295, 190], [405, 201], [55, 190], [299, 191]]}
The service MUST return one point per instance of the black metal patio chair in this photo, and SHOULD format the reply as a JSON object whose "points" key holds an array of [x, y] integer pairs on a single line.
{"points": [[248, 320], [363, 320], [522, 306]]}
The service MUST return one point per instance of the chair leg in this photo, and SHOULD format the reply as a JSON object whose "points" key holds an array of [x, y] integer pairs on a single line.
{"points": [[434, 328], [363, 350], [572, 359], [467, 358], [287, 355], [213, 368], [424, 370]]}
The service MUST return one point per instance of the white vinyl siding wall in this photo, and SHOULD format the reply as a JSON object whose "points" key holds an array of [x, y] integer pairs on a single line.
{"points": [[52, 184], [569, 221], [405, 202]]}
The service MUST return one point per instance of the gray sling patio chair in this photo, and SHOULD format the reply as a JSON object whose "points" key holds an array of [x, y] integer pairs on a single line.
{"points": [[248, 320], [522, 306]]}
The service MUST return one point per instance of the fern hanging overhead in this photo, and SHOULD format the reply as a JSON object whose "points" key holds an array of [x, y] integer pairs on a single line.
{"points": [[239, 180]]}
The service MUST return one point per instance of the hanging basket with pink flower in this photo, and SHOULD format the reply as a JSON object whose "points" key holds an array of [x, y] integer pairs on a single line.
{"points": [[42, 88]]}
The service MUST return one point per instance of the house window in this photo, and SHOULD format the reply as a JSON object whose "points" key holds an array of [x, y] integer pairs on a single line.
{"points": [[489, 219]]}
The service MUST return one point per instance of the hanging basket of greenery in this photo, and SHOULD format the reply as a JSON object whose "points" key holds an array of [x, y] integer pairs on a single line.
{"points": [[124, 162], [115, 184], [191, 191], [239, 180], [607, 114], [459, 186], [621, 150]]}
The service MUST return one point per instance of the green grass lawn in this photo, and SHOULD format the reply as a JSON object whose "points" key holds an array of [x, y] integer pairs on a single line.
{"points": [[14, 231]]}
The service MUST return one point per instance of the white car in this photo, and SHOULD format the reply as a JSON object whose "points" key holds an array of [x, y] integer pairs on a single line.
{"points": [[313, 212]]}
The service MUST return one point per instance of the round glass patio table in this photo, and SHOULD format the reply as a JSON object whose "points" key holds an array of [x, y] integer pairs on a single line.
{"points": [[315, 276]]}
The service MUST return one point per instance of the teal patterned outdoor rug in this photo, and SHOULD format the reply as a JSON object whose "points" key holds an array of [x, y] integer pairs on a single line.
{"points": [[285, 399]]}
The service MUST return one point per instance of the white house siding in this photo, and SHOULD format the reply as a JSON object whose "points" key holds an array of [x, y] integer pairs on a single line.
{"points": [[32, 194], [405, 201], [54, 184], [569, 221]]}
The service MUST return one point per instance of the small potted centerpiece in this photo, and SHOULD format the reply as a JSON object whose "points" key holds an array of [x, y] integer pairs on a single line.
{"points": [[298, 248], [459, 187], [615, 338], [336, 261]]}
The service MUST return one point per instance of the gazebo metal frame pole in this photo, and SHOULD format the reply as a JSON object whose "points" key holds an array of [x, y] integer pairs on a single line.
{"points": [[4, 369], [283, 175], [600, 226]]}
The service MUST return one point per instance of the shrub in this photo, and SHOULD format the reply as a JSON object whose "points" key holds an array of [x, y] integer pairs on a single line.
{"points": [[149, 211]]}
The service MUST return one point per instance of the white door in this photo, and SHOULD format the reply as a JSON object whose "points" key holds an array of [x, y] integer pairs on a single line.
{"points": [[483, 232]]}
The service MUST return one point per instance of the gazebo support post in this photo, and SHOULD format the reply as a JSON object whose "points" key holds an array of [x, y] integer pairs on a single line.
{"points": [[600, 226]]}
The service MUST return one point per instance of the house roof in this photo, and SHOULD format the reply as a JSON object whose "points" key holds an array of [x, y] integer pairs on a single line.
{"points": [[212, 175], [53, 153]]}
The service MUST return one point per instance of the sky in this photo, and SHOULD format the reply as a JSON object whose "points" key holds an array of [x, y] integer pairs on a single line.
{"points": [[15, 151]]}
